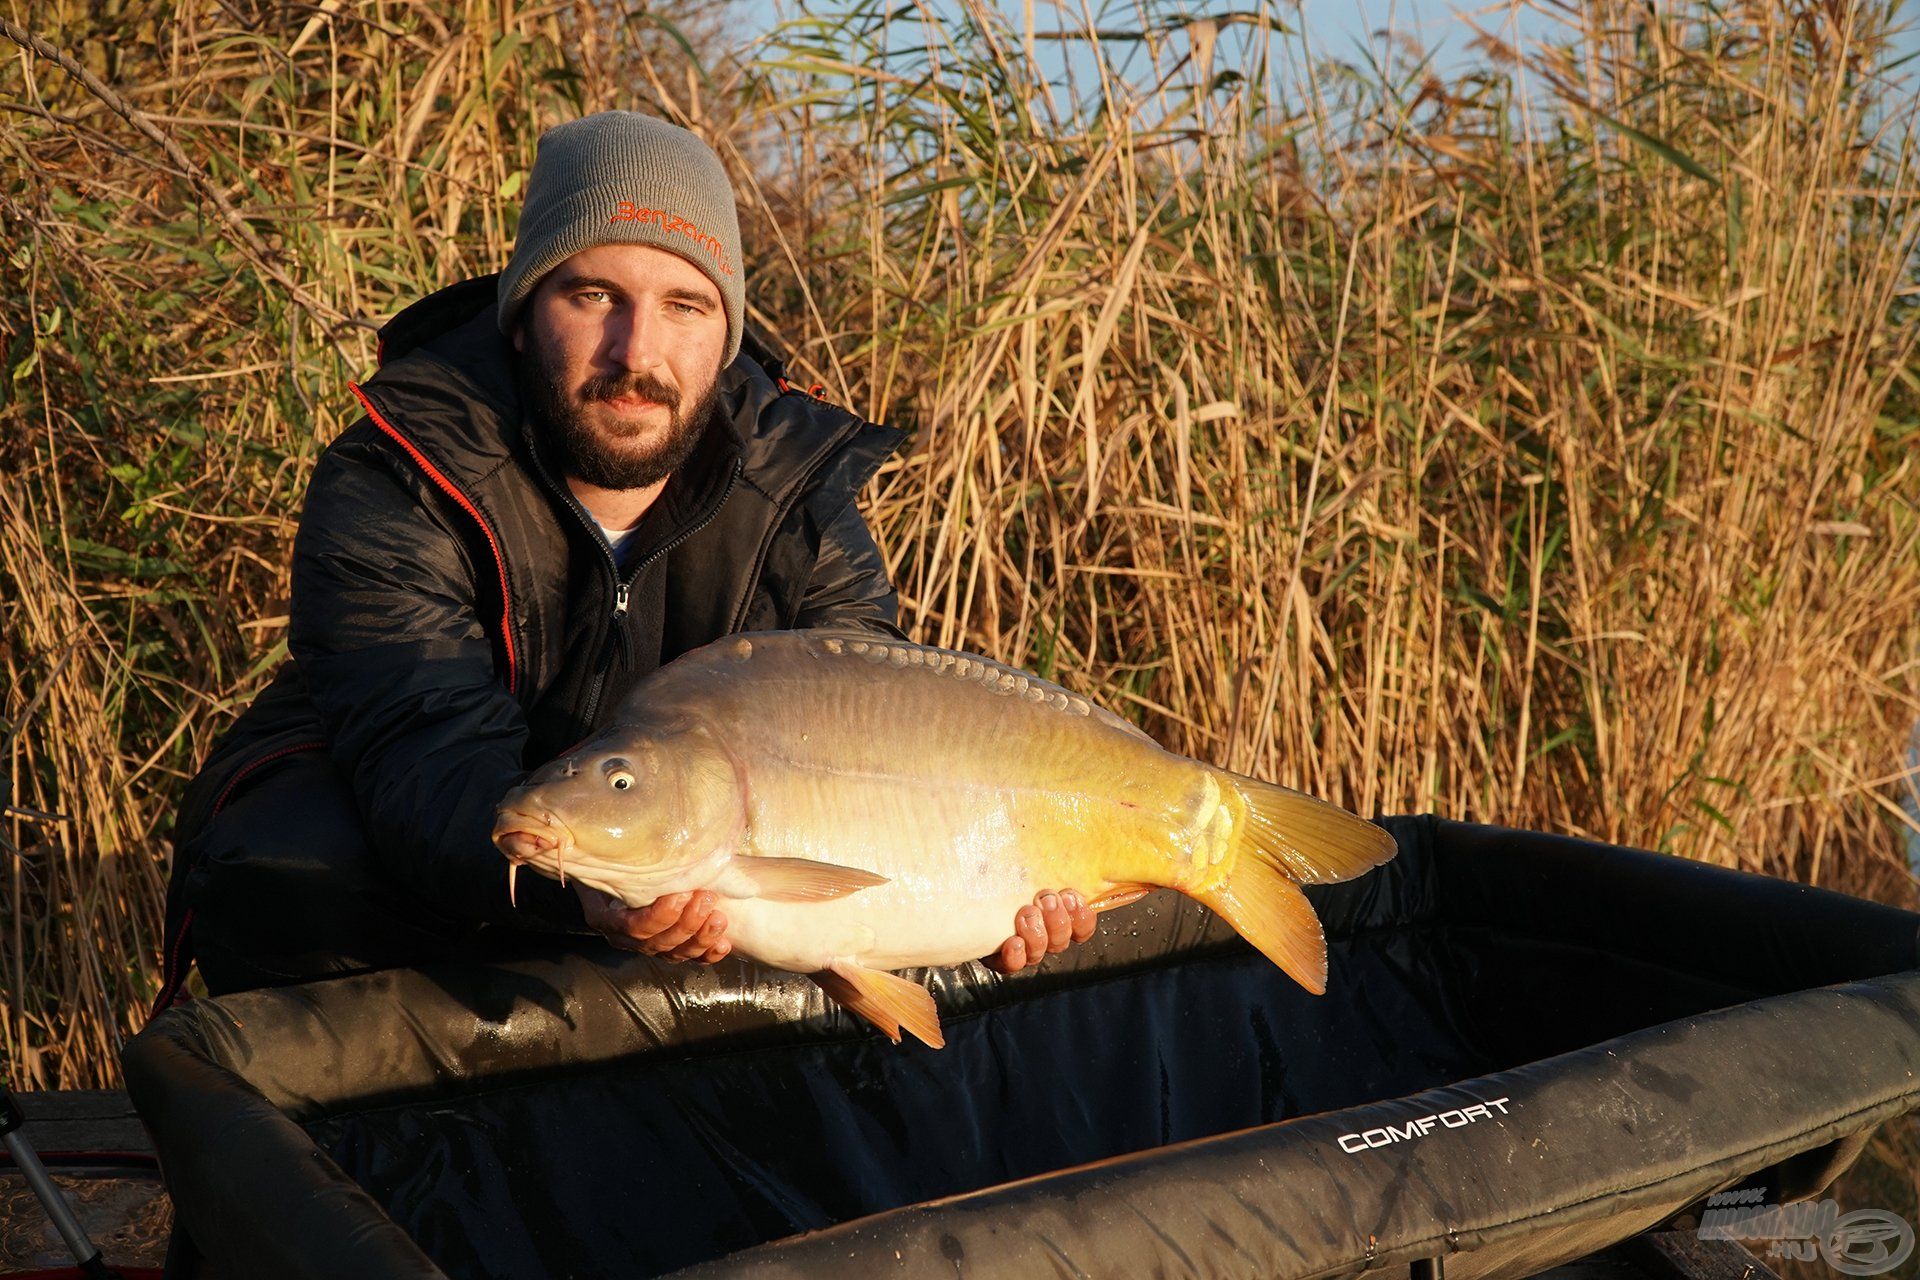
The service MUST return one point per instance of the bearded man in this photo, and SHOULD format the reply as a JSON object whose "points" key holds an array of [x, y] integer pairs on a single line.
{"points": [[568, 474]]}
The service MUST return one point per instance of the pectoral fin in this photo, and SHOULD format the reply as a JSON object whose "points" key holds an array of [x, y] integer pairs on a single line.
{"points": [[804, 880], [887, 1000]]}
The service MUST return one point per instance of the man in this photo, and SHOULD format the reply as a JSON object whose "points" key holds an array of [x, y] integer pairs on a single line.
{"points": [[567, 475]]}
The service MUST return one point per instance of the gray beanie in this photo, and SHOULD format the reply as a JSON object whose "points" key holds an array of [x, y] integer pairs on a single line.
{"points": [[621, 177]]}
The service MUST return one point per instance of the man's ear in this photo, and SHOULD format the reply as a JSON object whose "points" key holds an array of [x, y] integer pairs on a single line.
{"points": [[520, 335]]}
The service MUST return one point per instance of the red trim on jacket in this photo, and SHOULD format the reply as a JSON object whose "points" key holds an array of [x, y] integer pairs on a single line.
{"points": [[453, 491], [226, 792], [813, 390]]}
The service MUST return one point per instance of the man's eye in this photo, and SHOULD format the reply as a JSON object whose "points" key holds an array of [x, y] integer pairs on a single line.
{"points": [[593, 293], [687, 308]]}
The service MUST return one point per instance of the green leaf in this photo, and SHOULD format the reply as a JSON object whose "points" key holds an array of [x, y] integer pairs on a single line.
{"points": [[1715, 814], [1665, 150], [686, 45], [1559, 739], [927, 189], [1052, 308], [502, 53], [273, 657]]}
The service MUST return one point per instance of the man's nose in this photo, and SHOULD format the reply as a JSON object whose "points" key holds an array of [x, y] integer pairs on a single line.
{"points": [[635, 341]]}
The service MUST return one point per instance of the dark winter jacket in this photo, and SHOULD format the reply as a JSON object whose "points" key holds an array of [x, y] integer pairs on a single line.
{"points": [[457, 619]]}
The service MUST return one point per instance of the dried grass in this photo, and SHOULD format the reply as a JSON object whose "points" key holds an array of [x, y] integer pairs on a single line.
{"points": [[1542, 460]]}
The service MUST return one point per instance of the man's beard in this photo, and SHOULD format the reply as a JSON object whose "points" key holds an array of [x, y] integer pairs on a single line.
{"points": [[608, 457]]}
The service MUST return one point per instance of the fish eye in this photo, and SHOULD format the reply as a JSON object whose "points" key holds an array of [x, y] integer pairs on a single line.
{"points": [[619, 774]]}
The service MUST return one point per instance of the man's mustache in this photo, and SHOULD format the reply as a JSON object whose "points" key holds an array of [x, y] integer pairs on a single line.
{"points": [[612, 387]]}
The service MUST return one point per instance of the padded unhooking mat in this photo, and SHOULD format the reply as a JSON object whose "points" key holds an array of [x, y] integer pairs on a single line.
{"points": [[1531, 1047]]}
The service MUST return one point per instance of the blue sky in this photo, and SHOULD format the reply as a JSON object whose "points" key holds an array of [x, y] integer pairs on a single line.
{"points": [[1336, 28]]}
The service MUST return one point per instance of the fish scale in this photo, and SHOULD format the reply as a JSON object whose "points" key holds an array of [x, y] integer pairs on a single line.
{"points": [[984, 671]]}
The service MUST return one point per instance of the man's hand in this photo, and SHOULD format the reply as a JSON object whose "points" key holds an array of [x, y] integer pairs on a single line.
{"points": [[1053, 923], [680, 926]]}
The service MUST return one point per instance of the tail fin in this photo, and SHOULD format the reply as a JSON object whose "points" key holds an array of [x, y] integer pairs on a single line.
{"points": [[1292, 839], [1310, 840]]}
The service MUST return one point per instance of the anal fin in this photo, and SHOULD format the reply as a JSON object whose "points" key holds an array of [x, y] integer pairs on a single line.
{"points": [[1268, 910], [1121, 895], [887, 1000]]}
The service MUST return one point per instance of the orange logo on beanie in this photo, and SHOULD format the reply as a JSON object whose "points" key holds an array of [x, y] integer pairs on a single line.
{"points": [[628, 211]]}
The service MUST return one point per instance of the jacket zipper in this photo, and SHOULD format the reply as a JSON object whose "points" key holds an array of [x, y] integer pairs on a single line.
{"points": [[622, 588]]}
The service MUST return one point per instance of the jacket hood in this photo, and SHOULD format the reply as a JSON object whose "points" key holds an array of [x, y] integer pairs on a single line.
{"points": [[447, 370]]}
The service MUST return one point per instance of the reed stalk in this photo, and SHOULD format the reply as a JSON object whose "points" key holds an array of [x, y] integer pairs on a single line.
{"points": [[1531, 444]]}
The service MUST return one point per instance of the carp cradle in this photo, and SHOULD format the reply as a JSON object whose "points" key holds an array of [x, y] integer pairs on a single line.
{"points": [[1532, 1047]]}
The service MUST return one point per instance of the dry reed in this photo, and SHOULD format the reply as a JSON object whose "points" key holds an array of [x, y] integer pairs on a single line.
{"points": [[1541, 458]]}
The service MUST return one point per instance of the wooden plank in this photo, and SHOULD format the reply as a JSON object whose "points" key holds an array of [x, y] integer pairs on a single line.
{"points": [[83, 1120], [1608, 1264], [1683, 1255]]}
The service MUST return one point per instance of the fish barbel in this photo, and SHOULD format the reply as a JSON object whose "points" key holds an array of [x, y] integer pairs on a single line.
{"points": [[861, 804]]}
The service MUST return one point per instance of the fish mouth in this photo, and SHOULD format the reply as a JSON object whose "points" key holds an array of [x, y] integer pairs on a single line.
{"points": [[533, 822], [544, 848]]}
